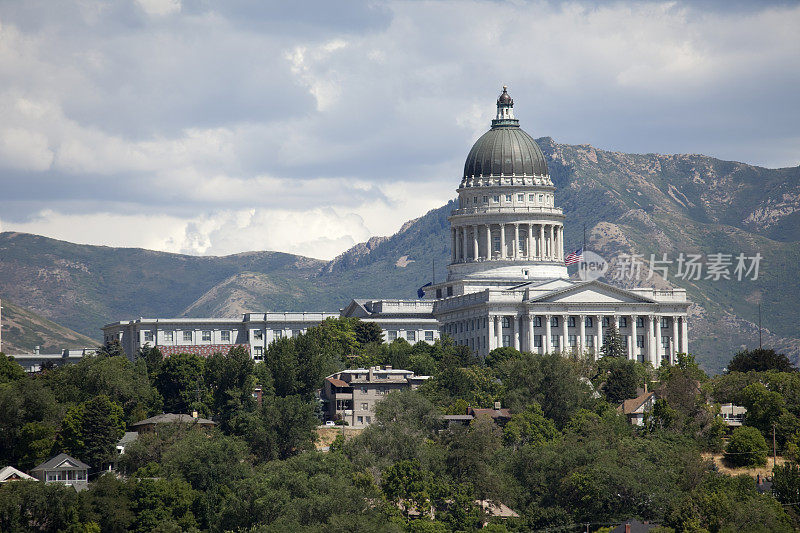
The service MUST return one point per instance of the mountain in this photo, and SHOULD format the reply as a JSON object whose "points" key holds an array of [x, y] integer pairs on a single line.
{"points": [[23, 331], [629, 203]]}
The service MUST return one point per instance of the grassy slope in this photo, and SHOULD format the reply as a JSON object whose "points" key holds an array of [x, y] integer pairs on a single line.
{"points": [[24, 330]]}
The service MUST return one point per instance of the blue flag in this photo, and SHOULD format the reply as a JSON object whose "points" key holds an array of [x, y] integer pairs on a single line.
{"points": [[421, 291]]}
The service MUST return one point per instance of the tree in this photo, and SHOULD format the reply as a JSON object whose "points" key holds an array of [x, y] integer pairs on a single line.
{"points": [[786, 484], [530, 427], [760, 360], [112, 348], [613, 346], [368, 332], [231, 381], [622, 380], [747, 447], [90, 430], [152, 357], [180, 382], [408, 484], [10, 370], [764, 407], [498, 355]]}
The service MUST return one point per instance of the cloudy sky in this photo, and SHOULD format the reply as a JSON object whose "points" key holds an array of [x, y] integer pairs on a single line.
{"points": [[211, 128]]}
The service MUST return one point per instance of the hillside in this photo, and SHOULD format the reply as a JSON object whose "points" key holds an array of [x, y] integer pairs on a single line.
{"points": [[24, 330], [630, 204]]}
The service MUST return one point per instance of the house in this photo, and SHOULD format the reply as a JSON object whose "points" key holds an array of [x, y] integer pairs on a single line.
{"points": [[10, 473], [127, 438], [63, 469], [732, 415], [149, 424], [636, 408], [497, 414], [351, 395]]}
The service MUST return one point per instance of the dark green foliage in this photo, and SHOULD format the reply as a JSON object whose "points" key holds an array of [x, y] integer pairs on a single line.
{"points": [[230, 380], [90, 430], [747, 447], [29, 418], [621, 379], [31, 505], [368, 332], [529, 427], [499, 355], [549, 380], [111, 348], [786, 484], [613, 345], [760, 360], [10, 370], [180, 382]]}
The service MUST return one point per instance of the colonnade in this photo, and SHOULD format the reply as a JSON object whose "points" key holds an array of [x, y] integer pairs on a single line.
{"points": [[530, 241], [649, 337]]}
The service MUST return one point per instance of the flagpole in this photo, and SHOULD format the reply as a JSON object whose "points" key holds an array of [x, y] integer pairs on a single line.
{"points": [[584, 238]]}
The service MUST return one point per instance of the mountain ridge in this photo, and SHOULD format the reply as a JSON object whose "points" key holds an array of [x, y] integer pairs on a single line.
{"points": [[629, 203]]}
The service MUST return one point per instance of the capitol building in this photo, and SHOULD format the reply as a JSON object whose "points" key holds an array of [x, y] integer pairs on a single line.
{"points": [[507, 282]]}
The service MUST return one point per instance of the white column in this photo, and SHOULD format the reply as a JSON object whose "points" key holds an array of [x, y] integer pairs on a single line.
{"points": [[582, 329], [453, 250], [599, 343], [514, 321], [530, 333], [491, 339], [475, 242], [516, 241], [488, 241], [502, 241], [530, 242], [540, 244], [498, 330], [465, 245], [552, 254], [649, 340], [547, 333], [657, 321], [684, 335], [673, 345], [634, 349], [564, 333]]}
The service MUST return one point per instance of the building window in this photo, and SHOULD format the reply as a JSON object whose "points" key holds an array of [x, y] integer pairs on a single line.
{"points": [[541, 198], [640, 341], [187, 336], [506, 322], [555, 342], [429, 336], [623, 322], [588, 322], [438, 293], [411, 336], [368, 419], [665, 343], [364, 406], [625, 340], [506, 340], [474, 199], [257, 335], [169, 336], [571, 322], [496, 244], [206, 336], [485, 199], [537, 341], [496, 198], [554, 322], [640, 321], [258, 353], [606, 321], [537, 321], [590, 341], [391, 335], [450, 290], [296, 333], [360, 419], [520, 197], [148, 336], [225, 336], [664, 322], [573, 341], [278, 333], [531, 197], [508, 197]]}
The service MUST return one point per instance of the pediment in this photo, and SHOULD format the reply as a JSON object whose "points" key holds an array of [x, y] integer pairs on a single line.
{"points": [[591, 292], [66, 464], [355, 309]]}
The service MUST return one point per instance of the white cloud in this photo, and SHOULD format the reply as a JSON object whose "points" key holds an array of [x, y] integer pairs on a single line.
{"points": [[216, 131]]}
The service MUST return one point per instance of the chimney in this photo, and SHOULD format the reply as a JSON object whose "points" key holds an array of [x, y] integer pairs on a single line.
{"points": [[36, 350], [388, 367], [496, 406], [645, 386], [627, 528], [194, 414]]}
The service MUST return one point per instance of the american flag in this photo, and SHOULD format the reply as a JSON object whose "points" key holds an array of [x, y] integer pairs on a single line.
{"points": [[574, 257]]}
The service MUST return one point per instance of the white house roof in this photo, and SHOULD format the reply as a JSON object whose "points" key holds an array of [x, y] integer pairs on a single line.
{"points": [[10, 472]]}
